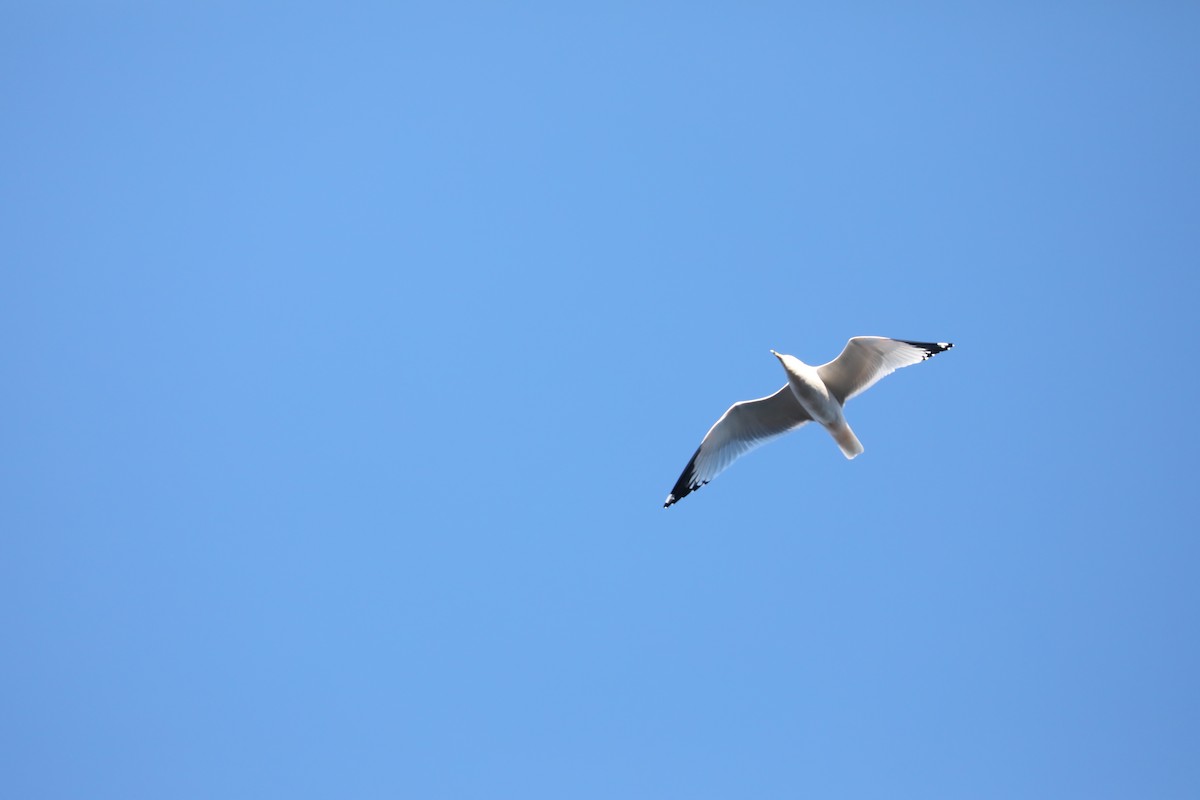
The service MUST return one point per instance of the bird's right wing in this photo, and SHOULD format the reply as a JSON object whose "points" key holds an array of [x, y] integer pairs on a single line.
{"points": [[745, 426]]}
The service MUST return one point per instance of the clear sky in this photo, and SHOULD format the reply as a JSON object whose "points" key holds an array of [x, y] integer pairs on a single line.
{"points": [[351, 350]]}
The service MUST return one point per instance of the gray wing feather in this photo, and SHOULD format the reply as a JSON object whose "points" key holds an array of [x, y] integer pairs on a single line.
{"points": [[866, 359], [745, 426]]}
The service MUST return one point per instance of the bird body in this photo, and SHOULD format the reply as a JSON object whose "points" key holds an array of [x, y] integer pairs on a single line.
{"points": [[811, 394], [819, 403]]}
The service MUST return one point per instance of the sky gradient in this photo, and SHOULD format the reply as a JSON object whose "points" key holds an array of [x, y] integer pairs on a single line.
{"points": [[351, 351]]}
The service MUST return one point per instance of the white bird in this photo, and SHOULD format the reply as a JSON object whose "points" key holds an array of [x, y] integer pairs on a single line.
{"points": [[811, 393]]}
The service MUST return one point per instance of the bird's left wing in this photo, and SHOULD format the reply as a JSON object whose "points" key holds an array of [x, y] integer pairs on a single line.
{"points": [[745, 426], [866, 359]]}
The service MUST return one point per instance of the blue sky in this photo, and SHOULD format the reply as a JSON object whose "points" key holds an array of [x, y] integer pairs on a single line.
{"points": [[352, 349]]}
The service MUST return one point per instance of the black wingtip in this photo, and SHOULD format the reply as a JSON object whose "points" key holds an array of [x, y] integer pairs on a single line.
{"points": [[678, 494], [931, 348], [686, 484]]}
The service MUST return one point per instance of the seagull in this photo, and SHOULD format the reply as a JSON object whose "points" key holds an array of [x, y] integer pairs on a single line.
{"points": [[811, 393]]}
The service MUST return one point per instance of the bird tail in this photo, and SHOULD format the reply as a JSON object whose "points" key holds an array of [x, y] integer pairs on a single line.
{"points": [[846, 440]]}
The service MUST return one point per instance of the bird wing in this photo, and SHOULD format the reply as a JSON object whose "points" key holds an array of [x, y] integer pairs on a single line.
{"points": [[866, 359], [745, 426]]}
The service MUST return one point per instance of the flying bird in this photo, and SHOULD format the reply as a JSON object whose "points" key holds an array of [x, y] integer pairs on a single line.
{"points": [[811, 393]]}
